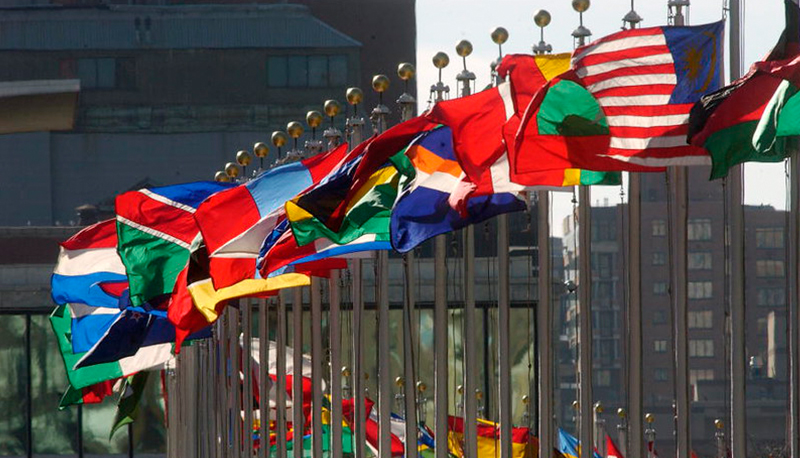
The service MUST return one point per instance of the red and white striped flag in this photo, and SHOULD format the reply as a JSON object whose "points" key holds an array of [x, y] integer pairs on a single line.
{"points": [[646, 82]]}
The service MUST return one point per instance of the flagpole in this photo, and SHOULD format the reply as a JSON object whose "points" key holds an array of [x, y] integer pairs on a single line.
{"points": [[355, 125], [680, 197], [334, 136], [465, 78], [263, 374], [544, 312], [280, 375], [298, 421], [738, 378], [236, 395], [794, 308], [440, 325], [585, 337], [247, 370], [407, 104]]}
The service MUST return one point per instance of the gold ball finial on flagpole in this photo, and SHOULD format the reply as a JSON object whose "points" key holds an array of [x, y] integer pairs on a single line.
{"points": [[464, 48], [380, 83], [345, 371], [441, 60], [399, 381], [261, 150], [622, 413], [421, 386], [294, 129], [279, 138], [354, 96], [526, 400], [649, 418], [243, 158], [331, 108], [581, 5], [499, 35], [718, 424], [406, 71], [598, 407], [222, 177], [232, 170], [314, 119], [542, 18]]}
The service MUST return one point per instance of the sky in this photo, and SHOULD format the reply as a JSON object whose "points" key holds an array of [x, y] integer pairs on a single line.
{"points": [[441, 24]]}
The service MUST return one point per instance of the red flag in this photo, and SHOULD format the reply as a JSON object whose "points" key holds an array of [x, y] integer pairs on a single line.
{"points": [[611, 449]]}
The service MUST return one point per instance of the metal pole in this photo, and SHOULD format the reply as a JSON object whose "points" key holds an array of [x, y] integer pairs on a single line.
{"points": [[503, 335], [680, 199], [236, 394], [224, 396], [738, 379], [316, 366], [247, 370], [29, 388], [622, 431], [544, 327], [298, 422], [634, 318], [263, 376], [335, 345], [585, 322], [794, 309], [440, 350], [599, 429], [280, 378]]}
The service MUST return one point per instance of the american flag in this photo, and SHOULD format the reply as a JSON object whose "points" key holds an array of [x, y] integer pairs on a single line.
{"points": [[646, 81]]}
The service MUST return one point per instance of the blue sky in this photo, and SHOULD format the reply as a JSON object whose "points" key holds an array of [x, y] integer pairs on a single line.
{"points": [[443, 23]]}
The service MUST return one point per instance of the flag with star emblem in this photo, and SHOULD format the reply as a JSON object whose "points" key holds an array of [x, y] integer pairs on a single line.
{"points": [[624, 104]]}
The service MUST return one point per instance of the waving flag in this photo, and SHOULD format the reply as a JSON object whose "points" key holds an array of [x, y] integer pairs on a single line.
{"points": [[523, 444], [371, 426], [569, 446], [235, 223], [155, 230], [93, 394], [89, 324], [626, 99], [89, 270], [611, 449], [752, 118]]}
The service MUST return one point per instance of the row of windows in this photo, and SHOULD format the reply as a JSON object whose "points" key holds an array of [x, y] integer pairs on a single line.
{"points": [[697, 320], [101, 73], [698, 260], [698, 348], [307, 71], [696, 289], [698, 229]]}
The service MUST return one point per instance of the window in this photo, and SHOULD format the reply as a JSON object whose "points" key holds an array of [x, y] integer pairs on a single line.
{"points": [[701, 348], [701, 320], [660, 346], [700, 290], [659, 288], [771, 297], [602, 378], [603, 263], [101, 73], [769, 237], [659, 228], [603, 292], [700, 260], [699, 229], [659, 258], [659, 317], [696, 375], [769, 268], [604, 230], [661, 375], [307, 71]]}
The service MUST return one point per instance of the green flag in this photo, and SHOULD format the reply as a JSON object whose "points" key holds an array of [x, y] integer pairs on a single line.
{"points": [[128, 404]]}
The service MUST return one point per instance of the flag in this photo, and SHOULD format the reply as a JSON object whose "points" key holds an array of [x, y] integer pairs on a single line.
{"points": [[89, 324], [137, 340], [611, 449], [88, 270], [626, 99], [155, 228], [234, 223], [569, 446], [79, 378], [128, 405], [752, 118], [523, 443], [93, 394], [371, 426]]}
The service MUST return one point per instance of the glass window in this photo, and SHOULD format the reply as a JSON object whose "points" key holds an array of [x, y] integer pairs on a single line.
{"points": [[660, 288], [298, 71], [659, 317], [87, 73], [602, 378], [660, 346], [700, 290], [775, 297], [337, 70], [97, 421], [701, 320], [106, 73], [769, 237], [700, 260], [661, 374], [659, 258], [699, 229], [13, 372], [126, 73], [317, 71], [769, 268], [696, 375], [701, 348], [277, 71], [659, 228], [603, 263], [54, 432]]}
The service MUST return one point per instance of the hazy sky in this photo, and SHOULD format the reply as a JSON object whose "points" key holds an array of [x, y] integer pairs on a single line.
{"points": [[443, 23]]}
